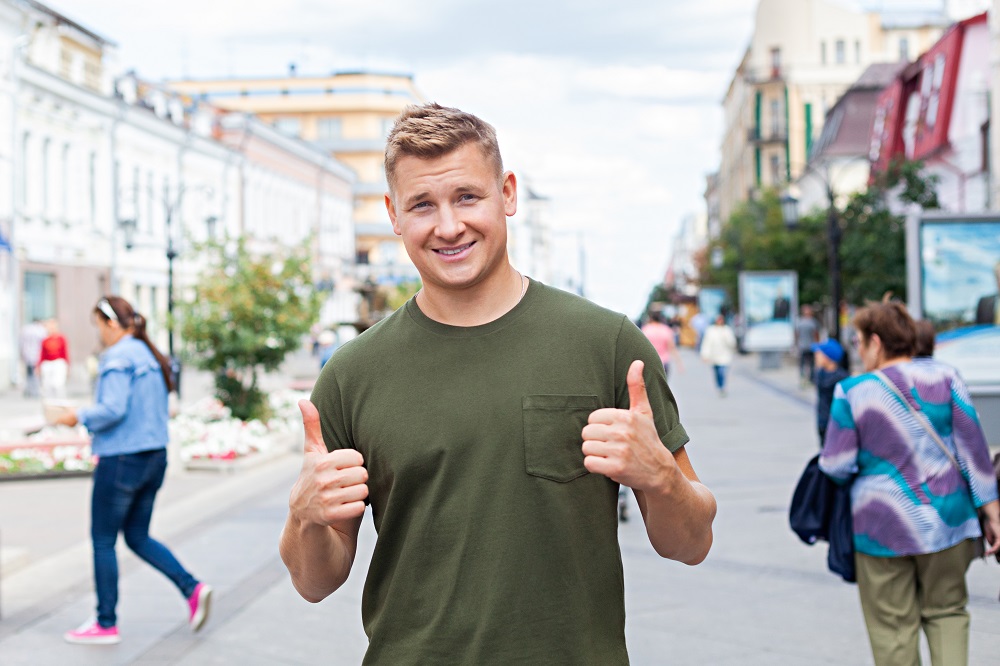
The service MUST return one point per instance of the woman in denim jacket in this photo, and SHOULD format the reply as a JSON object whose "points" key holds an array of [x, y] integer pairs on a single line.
{"points": [[128, 425]]}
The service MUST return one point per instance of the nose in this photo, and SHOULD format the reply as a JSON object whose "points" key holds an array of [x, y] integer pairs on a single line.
{"points": [[450, 225]]}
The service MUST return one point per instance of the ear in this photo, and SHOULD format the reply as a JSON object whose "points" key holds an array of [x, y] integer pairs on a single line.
{"points": [[390, 208], [509, 194]]}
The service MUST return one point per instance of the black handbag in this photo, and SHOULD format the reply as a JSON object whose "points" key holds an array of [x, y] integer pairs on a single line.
{"points": [[821, 511]]}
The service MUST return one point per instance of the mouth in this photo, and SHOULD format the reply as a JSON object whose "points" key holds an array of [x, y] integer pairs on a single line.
{"points": [[454, 251]]}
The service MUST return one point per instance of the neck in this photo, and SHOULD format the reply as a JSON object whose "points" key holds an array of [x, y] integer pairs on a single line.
{"points": [[476, 305], [893, 361]]}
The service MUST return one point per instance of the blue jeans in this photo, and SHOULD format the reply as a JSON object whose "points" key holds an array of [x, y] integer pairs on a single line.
{"points": [[124, 490], [720, 376]]}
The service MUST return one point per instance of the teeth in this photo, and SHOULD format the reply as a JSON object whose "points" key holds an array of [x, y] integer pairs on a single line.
{"points": [[451, 252]]}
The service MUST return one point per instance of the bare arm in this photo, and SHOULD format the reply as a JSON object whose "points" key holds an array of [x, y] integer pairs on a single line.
{"points": [[320, 538], [623, 445], [678, 513]]}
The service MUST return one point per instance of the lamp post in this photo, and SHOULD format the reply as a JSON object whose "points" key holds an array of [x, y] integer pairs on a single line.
{"points": [[790, 213], [129, 228]]}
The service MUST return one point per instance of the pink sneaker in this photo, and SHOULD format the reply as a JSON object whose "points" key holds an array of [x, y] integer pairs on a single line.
{"points": [[198, 603], [91, 633]]}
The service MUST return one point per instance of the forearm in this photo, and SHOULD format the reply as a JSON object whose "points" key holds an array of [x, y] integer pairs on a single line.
{"points": [[318, 557], [678, 517]]}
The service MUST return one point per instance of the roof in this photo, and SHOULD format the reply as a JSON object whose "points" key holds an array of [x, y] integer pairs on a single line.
{"points": [[62, 18], [915, 18], [879, 75]]}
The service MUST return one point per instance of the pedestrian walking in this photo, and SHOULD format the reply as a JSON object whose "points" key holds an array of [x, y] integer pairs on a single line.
{"points": [[30, 347], [53, 366], [829, 372], [718, 347], [907, 433], [663, 339], [128, 425], [489, 422], [806, 335]]}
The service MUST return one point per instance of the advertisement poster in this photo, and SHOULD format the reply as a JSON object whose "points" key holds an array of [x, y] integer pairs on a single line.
{"points": [[712, 301], [768, 303], [959, 291]]}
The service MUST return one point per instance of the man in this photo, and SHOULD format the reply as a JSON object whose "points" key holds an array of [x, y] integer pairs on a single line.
{"points": [[988, 307], [782, 306], [488, 422], [806, 335]]}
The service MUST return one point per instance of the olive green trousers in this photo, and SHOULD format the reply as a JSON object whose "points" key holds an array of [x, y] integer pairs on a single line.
{"points": [[901, 595]]}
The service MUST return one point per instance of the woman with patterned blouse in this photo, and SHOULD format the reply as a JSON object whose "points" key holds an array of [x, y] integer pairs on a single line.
{"points": [[914, 510]]}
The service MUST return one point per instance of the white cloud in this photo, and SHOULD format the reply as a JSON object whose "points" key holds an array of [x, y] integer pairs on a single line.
{"points": [[612, 110]]}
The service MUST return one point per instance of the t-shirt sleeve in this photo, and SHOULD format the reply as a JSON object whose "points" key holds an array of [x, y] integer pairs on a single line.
{"points": [[329, 402], [632, 345]]}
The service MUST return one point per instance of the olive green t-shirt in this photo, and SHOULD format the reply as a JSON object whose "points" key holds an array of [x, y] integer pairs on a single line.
{"points": [[495, 545]]}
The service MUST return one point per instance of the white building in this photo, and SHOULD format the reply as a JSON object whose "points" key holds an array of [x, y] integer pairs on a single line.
{"points": [[109, 177]]}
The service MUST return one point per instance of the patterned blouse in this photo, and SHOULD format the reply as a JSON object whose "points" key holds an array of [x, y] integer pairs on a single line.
{"points": [[907, 497]]}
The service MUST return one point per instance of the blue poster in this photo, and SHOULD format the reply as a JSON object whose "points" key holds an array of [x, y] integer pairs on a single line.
{"points": [[768, 303], [960, 293]]}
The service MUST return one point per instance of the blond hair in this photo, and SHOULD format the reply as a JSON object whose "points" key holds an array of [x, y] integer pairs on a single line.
{"points": [[430, 130]]}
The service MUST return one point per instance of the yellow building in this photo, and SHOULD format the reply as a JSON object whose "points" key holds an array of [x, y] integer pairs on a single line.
{"points": [[803, 55], [348, 114]]}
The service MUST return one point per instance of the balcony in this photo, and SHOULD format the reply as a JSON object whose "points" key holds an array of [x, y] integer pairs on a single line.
{"points": [[767, 136]]}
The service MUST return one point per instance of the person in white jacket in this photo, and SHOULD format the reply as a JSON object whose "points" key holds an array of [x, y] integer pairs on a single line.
{"points": [[717, 347]]}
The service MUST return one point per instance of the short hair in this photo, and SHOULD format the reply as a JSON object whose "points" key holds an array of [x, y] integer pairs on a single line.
{"points": [[925, 338], [430, 130], [893, 325]]}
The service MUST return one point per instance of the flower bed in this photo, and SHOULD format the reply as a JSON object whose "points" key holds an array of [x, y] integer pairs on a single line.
{"points": [[208, 437], [205, 434], [53, 451]]}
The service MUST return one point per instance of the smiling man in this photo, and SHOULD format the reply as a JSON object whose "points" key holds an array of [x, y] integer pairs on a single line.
{"points": [[489, 422]]}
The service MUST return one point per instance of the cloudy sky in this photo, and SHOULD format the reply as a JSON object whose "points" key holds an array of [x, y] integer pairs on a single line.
{"points": [[612, 110]]}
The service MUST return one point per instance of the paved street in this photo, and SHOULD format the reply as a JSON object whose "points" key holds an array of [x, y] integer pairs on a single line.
{"points": [[761, 597]]}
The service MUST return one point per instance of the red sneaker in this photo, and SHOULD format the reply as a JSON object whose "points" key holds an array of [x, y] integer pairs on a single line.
{"points": [[91, 633], [198, 604]]}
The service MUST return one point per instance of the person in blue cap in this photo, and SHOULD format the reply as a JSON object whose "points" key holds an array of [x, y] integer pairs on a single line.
{"points": [[828, 355]]}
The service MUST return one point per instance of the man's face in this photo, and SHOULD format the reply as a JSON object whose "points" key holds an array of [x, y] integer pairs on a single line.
{"points": [[451, 213]]}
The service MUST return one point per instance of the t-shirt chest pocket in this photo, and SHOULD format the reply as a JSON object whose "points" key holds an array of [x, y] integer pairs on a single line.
{"points": [[553, 434]]}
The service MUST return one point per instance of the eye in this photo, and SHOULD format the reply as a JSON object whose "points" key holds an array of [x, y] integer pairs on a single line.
{"points": [[467, 197]]}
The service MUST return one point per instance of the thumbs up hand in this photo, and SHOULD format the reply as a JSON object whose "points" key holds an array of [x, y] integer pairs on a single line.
{"points": [[331, 487], [622, 444]]}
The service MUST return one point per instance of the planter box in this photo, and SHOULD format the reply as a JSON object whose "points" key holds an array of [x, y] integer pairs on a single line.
{"points": [[7, 447], [234, 464]]}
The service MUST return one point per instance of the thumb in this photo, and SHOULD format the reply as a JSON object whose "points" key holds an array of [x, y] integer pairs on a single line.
{"points": [[637, 399], [310, 422]]}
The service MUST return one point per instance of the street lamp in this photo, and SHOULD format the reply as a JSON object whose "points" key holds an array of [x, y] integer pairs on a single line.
{"points": [[790, 213], [129, 228]]}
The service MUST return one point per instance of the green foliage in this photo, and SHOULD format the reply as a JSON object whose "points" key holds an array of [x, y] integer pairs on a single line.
{"points": [[397, 295], [248, 312], [872, 242], [757, 239]]}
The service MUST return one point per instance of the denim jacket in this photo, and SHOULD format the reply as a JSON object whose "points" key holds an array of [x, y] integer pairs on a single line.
{"points": [[130, 414]]}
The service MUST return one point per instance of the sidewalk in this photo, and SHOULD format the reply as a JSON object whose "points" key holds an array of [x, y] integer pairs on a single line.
{"points": [[761, 598]]}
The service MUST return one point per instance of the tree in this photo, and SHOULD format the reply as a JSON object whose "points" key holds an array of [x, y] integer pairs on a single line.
{"points": [[872, 246], [246, 314]]}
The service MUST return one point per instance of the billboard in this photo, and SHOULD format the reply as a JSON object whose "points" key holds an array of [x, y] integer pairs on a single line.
{"points": [[768, 303], [954, 282], [712, 301]]}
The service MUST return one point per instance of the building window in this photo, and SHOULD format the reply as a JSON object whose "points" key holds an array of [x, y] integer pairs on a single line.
{"points": [[776, 118], [288, 126], [46, 189], [136, 195], [904, 49], [64, 183], [25, 168], [150, 188], [92, 189], [775, 170], [775, 63], [362, 258], [328, 128], [840, 52], [857, 51], [822, 53], [39, 296], [387, 124]]}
